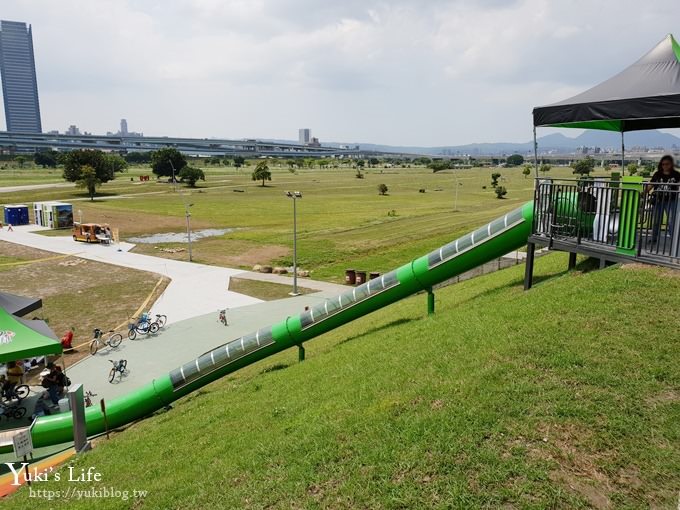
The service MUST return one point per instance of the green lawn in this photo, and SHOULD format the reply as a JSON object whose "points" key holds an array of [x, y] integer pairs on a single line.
{"points": [[566, 396], [340, 218]]}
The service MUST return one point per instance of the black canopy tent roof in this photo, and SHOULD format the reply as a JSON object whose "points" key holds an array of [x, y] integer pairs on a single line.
{"points": [[645, 95], [19, 305]]}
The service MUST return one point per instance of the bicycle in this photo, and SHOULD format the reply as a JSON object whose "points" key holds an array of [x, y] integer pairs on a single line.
{"points": [[16, 392], [88, 398], [113, 340], [223, 317], [12, 411], [120, 367], [161, 320], [143, 325]]}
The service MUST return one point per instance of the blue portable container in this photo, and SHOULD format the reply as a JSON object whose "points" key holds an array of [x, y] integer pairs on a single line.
{"points": [[16, 214]]}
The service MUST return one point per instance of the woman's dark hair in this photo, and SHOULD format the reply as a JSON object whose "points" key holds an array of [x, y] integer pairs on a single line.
{"points": [[667, 157]]}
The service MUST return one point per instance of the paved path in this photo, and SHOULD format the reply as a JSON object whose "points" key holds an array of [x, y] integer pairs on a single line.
{"points": [[194, 289], [29, 187]]}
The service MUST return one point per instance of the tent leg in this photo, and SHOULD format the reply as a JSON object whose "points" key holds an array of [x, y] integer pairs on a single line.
{"points": [[535, 153], [623, 160]]}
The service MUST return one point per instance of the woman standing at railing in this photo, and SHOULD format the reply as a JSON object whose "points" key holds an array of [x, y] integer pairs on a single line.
{"points": [[665, 185]]}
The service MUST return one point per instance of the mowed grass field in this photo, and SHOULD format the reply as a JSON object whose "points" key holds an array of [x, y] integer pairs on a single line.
{"points": [[342, 221], [566, 396]]}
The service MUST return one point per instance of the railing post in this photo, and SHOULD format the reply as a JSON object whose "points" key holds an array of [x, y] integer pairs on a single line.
{"points": [[529, 268]]}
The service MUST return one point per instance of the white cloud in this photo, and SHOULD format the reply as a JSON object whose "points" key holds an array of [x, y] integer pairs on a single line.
{"points": [[401, 72]]}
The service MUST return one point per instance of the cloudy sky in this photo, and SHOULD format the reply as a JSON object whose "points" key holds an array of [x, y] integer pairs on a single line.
{"points": [[402, 72]]}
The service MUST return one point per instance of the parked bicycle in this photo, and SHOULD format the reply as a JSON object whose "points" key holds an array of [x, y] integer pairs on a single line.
{"points": [[16, 392], [161, 320], [11, 410], [88, 398], [142, 325], [223, 317], [113, 340], [119, 367]]}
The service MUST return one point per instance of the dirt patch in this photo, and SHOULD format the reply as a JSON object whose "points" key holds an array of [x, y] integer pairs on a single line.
{"points": [[576, 466], [665, 397], [666, 272], [260, 255], [78, 293]]}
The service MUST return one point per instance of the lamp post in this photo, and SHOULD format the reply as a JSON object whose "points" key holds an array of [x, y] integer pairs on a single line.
{"points": [[174, 186], [187, 214], [294, 195]]}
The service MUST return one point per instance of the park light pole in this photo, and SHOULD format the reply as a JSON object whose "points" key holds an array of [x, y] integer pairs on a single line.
{"points": [[174, 186], [294, 195], [187, 214]]}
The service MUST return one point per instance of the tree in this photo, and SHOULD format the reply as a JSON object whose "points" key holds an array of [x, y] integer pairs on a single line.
{"points": [[191, 175], [359, 175], [239, 161], [374, 161], [138, 157], [116, 163], [104, 166], [262, 172], [526, 172], [20, 160], [382, 189], [515, 160], [164, 160], [46, 158], [88, 179], [544, 168], [361, 163], [438, 166], [647, 170], [501, 191], [494, 179], [584, 166], [227, 162], [632, 168], [291, 165]]}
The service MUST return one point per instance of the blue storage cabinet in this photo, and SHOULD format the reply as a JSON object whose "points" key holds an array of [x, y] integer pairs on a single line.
{"points": [[16, 214]]}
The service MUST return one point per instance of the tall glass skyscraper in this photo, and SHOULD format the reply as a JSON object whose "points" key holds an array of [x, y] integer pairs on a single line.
{"points": [[19, 84]]}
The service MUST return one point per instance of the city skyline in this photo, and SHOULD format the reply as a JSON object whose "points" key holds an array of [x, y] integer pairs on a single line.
{"points": [[465, 73]]}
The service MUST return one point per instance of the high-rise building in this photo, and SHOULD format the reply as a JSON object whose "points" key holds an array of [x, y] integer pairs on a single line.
{"points": [[19, 84], [123, 127], [305, 135]]}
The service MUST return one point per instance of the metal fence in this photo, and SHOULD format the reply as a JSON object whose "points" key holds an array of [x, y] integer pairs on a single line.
{"points": [[639, 220]]}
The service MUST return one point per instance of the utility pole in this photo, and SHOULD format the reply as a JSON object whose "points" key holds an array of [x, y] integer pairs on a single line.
{"points": [[294, 195]]}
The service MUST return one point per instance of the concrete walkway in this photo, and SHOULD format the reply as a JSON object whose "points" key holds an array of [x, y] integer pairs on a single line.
{"points": [[153, 356], [194, 289], [30, 187]]}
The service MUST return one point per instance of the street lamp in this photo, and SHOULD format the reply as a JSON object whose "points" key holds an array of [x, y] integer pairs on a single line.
{"points": [[174, 186], [294, 195], [188, 217]]}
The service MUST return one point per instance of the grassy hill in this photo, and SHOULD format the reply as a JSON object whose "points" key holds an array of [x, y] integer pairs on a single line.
{"points": [[564, 396]]}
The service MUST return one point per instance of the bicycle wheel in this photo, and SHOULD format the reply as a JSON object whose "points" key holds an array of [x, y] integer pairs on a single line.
{"points": [[153, 328], [94, 345], [112, 375], [161, 320], [143, 328], [21, 392], [19, 413], [132, 333], [115, 340]]}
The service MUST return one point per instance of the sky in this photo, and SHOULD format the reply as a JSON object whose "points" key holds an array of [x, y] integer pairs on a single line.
{"points": [[403, 72]]}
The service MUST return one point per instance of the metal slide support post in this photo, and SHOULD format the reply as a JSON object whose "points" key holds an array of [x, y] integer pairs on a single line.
{"points": [[535, 153], [529, 268], [77, 403], [301, 352], [572, 260], [430, 301]]}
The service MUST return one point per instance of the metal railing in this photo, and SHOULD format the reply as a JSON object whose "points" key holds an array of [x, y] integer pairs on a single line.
{"points": [[632, 219]]}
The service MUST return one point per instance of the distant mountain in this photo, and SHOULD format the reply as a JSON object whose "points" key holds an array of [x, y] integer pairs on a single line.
{"points": [[552, 142]]}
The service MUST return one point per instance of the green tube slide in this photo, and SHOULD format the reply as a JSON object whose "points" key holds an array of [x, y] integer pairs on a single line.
{"points": [[491, 241]]}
